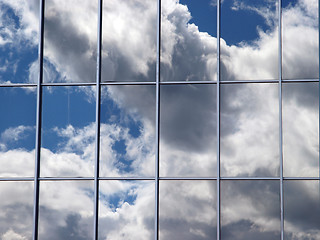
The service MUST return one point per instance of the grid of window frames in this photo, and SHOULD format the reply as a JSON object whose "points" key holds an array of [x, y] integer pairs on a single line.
{"points": [[159, 119]]}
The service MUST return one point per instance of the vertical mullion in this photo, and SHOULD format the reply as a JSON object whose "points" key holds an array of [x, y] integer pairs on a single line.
{"points": [[280, 119], [218, 123], [156, 224], [38, 124], [98, 99]]}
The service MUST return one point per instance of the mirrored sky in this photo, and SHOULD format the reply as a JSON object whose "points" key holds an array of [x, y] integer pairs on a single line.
{"points": [[249, 115]]}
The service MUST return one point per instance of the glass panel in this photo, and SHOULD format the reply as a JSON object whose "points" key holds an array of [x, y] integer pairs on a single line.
{"points": [[302, 210], [127, 131], [16, 210], [70, 40], [66, 210], [188, 40], [300, 39], [129, 40], [249, 130], [68, 132], [19, 26], [188, 210], [250, 210], [188, 130], [17, 131], [126, 210], [301, 129], [249, 40]]}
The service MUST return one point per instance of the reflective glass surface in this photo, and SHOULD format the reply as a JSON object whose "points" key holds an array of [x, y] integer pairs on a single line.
{"points": [[19, 24], [16, 209], [127, 131], [301, 129], [249, 40], [188, 130], [188, 40], [250, 210], [300, 40], [17, 131], [301, 210], [70, 40], [249, 125], [66, 210], [187, 210], [68, 132], [126, 210], [129, 40]]}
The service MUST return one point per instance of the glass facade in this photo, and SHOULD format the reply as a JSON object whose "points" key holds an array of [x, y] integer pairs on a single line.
{"points": [[159, 119]]}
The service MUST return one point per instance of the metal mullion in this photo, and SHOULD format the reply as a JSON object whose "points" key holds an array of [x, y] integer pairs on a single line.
{"points": [[20, 85], [250, 178], [127, 178], [301, 178], [66, 179], [157, 156], [98, 99], [38, 123], [187, 178], [280, 118], [127, 83], [68, 84], [218, 123], [15, 179]]}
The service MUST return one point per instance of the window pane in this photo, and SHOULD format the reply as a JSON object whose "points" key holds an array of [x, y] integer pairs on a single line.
{"points": [[188, 210], [249, 40], [68, 132], [302, 210], [188, 40], [126, 210], [19, 26], [129, 40], [249, 123], [301, 129], [188, 130], [70, 40], [127, 131], [17, 131], [250, 210], [300, 39], [66, 210], [16, 210]]}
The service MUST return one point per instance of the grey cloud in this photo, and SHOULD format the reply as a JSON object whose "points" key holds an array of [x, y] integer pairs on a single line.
{"points": [[247, 230]]}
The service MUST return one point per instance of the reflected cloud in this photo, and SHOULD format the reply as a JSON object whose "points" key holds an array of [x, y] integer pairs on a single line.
{"points": [[187, 210], [250, 210], [301, 129]]}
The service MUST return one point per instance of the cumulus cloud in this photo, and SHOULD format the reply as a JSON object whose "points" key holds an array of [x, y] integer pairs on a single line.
{"points": [[188, 120]]}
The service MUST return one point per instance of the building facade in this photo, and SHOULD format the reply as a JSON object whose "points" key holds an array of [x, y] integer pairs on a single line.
{"points": [[159, 119]]}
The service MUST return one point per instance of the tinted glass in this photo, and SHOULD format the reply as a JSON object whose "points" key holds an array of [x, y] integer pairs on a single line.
{"points": [[249, 40], [188, 40], [16, 210], [302, 210], [70, 40], [188, 130], [187, 210], [19, 26], [126, 210], [249, 123], [300, 39], [127, 131], [17, 131], [301, 129], [68, 131], [66, 210], [250, 210], [129, 40]]}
